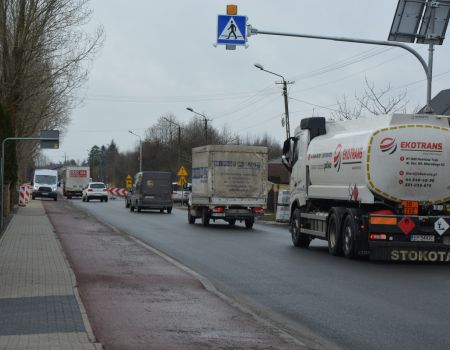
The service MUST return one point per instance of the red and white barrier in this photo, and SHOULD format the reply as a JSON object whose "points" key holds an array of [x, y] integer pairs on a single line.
{"points": [[28, 189], [23, 194], [121, 192]]}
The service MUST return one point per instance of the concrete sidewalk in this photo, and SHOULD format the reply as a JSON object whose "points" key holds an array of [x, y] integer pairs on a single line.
{"points": [[39, 303]]}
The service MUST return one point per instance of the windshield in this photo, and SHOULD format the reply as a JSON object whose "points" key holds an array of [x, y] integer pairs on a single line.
{"points": [[45, 179]]}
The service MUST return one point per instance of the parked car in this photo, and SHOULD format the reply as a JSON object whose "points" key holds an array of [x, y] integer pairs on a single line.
{"points": [[181, 193], [95, 190], [152, 190]]}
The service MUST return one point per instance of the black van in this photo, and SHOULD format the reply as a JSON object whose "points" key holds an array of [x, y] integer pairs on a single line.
{"points": [[152, 190]]}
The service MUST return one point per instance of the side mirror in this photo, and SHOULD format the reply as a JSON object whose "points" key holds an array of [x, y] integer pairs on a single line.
{"points": [[287, 146], [286, 163]]}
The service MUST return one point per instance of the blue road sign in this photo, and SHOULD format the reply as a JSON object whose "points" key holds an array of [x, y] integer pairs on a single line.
{"points": [[231, 30]]}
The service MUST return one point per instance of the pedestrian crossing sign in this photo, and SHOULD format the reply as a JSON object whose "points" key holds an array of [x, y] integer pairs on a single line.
{"points": [[231, 30]]}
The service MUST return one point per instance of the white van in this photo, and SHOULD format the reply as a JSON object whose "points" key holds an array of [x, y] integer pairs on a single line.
{"points": [[45, 184]]}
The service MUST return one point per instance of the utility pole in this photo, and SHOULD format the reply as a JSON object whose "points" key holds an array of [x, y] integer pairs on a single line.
{"points": [[286, 122]]}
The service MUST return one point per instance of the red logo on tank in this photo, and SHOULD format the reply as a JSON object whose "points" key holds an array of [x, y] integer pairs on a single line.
{"points": [[388, 145], [337, 157]]}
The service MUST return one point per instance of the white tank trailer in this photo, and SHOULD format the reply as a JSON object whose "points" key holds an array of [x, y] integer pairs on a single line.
{"points": [[377, 186]]}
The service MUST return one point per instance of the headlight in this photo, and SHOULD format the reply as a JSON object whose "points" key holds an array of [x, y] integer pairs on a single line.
{"points": [[36, 187], [53, 189]]}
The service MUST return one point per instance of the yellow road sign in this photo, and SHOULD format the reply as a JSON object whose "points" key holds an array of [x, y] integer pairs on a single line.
{"points": [[129, 182], [182, 171], [182, 181]]}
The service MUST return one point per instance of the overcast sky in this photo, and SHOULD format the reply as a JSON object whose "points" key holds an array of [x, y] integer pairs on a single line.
{"points": [[158, 58]]}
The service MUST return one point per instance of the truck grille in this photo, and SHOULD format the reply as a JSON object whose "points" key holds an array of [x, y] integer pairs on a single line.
{"points": [[45, 189]]}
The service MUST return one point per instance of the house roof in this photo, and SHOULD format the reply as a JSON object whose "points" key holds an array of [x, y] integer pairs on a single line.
{"points": [[440, 103]]}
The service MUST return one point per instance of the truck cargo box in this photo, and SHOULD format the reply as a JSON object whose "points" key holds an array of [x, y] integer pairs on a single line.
{"points": [[229, 175]]}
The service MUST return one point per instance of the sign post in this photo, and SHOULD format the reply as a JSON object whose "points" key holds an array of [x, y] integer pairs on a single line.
{"points": [[48, 139]]}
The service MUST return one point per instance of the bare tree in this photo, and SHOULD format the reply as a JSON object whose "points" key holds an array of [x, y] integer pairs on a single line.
{"points": [[373, 102], [44, 58]]}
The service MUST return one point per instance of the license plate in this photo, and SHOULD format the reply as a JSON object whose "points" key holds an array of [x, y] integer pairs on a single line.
{"points": [[45, 194], [422, 238], [218, 214], [150, 197]]}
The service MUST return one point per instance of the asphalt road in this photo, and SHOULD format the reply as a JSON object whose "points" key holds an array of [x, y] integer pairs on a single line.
{"points": [[331, 301]]}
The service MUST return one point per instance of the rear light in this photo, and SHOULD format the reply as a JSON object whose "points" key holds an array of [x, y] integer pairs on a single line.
{"points": [[218, 210], [90, 189], [257, 210], [377, 236]]}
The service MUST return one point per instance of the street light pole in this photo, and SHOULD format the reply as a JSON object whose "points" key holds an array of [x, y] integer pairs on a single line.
{"points": [[205, 119], [179, 138], [285, 95], [140, 149]]}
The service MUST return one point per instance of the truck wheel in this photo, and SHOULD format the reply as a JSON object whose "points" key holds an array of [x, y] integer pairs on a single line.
{"points": [[127, 204], [349, 233], [55, 198], [298, 239], [169, 210], [106, 199], [161, 210], [205, 217], [131, 207], [191, 219], [69, 197], [249, 223], [232, 222], [334, 232], [139, 209]]}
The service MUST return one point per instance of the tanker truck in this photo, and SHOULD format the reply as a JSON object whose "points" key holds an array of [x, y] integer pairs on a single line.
{"points": [[375, 187]]}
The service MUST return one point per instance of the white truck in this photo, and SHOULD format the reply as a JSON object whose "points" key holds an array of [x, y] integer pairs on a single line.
{"points": [[377, 187], [228, 183], [75, 179]]}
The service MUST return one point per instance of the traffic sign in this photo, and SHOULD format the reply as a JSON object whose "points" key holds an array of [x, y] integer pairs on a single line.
{"points": [[182, 181], [441, 226], [128, 182], [49, 139], [182, 171], [231, 30]]}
